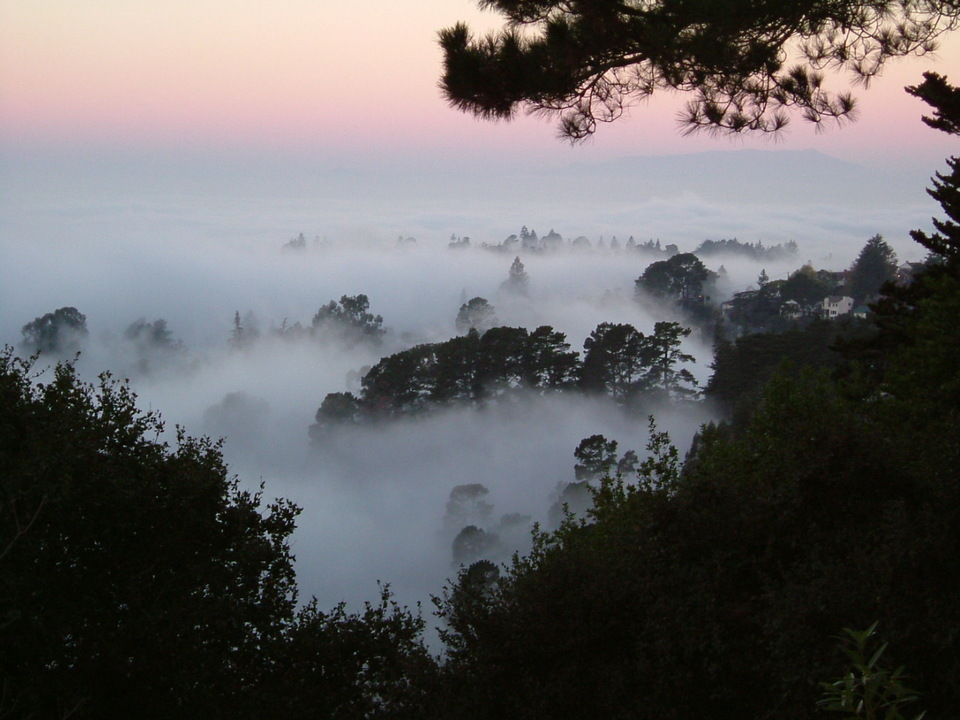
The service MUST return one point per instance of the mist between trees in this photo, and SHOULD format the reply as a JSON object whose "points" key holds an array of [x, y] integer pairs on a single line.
{"points": [[258, 380], [448, 434], [258, 377], [819, 507]]}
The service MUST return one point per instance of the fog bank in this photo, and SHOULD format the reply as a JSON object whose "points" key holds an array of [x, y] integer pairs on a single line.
{"points": [[196, 251]]}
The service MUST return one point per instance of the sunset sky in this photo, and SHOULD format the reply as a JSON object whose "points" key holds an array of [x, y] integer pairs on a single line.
{"points": [[343, 81]]}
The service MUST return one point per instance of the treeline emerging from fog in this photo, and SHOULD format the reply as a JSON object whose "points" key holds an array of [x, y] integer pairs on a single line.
{"points": [[528, 241], [621, 362], [141, 579], [719, 580]]}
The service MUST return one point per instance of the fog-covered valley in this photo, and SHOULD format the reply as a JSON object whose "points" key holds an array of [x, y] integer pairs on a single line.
{"points": [[332, 385], [374, 497]]}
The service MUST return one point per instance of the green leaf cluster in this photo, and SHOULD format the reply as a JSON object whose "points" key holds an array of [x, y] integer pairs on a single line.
{"points": [[868, 690]]}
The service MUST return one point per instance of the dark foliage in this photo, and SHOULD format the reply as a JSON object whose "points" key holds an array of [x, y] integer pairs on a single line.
{"points": [[468, 369], [614, 357], [476, 314], [348, 320], [680, 279], [338, 409], [723, 590], [587, 61], [341, 664], [944, 98], [945, 243], [628, 365], [759, 310], [832, 502], [619, 361], [596, 457], [805, 287], [875, 265], [742, 367], [61, 332], [139, 580], [472, 544], [755, 251]]}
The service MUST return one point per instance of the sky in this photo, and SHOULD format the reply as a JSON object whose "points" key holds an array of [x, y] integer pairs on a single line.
{"points": [[338, 82], [238, 120]]}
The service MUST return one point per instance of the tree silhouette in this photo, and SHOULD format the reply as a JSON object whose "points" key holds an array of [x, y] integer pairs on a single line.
{"points": [[596, 457], [944, 98], [614, 359], [517, 282], [680, 278], [61, 332], [477, 314], [141, 580], [875, 265], [664, 357], [746, 63], [945, 242], [804, 287], [348, 320]]}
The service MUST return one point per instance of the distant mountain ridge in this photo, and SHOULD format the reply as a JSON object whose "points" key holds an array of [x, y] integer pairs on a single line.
{"points": [[784, 176]]}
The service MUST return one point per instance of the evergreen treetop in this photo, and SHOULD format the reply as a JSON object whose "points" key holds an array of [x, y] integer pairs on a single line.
{"points": [[745, 63]]}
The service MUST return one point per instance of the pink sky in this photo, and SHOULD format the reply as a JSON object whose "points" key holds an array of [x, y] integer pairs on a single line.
{"points": [[343, 79]]}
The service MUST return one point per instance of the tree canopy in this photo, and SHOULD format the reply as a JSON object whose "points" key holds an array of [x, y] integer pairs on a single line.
{"points": [[619, 361], [132, 572], [60, 332], [517, 282], [477, 314], [719, 584], [614, 359], [745, 63], [680, 278], [875, 265], [140, 580], [348, 320], [944, 98], [467, 368]]}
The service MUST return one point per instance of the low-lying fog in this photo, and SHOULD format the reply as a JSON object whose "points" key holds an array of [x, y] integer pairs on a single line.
{"points": [[374, 498]]}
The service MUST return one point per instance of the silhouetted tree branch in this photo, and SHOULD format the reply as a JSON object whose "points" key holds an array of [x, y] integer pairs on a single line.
{"points": [[746, 63]]}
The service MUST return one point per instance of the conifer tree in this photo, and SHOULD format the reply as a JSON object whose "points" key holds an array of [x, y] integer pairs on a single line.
{"points": [[944, 98], [875, 265], [946, 190], [745, 63], [517, 281]]}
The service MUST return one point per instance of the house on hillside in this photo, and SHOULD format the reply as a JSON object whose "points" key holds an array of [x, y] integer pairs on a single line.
{"points": [[836, 305]]}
